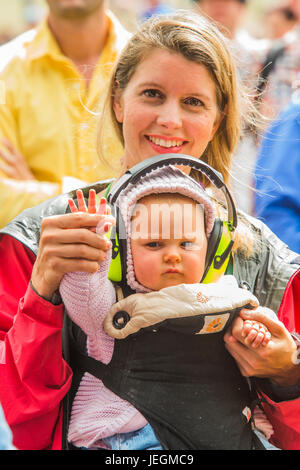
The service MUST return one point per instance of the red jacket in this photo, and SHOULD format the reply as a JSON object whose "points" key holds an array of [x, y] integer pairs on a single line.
{"points": [[285, 415], [34, 378]]}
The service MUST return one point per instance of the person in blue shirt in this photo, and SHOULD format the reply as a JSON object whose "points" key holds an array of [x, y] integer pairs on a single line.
{"points": [[277, 177], [5, 434], [155, 7]]}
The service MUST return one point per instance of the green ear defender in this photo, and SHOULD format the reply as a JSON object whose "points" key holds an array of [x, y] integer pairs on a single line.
{"points": [[115, 267], [218, 252], [221, 239]]}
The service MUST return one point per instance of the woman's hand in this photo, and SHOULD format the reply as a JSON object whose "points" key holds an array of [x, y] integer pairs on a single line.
{"points": [[276, 360], [68, 243]]}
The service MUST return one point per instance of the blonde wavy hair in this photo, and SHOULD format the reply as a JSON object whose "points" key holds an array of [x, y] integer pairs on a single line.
{"points": [[197, 40]]}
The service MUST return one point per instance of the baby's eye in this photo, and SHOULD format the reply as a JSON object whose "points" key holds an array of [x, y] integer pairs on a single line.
{"points": [[190, 245], [187, 244], [153, 244]]}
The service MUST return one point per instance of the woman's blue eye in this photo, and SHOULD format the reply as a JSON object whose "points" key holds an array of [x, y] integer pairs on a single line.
{"points": [[151, 93], [193, 101]]}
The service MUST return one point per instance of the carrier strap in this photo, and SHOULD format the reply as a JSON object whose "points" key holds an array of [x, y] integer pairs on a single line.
{"points": [[85, 363]]}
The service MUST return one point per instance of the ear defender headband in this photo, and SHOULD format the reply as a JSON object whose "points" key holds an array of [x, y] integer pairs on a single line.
{"points": [[222, 236]]}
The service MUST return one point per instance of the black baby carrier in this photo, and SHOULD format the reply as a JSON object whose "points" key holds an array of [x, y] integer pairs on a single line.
{"points": [[185, 384]]}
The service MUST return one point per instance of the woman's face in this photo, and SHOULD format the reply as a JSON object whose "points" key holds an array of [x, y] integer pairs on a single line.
{"points": [[169, 106]]}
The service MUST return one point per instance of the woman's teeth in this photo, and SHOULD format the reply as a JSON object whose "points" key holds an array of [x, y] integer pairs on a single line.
{"points": [[165, 143]]}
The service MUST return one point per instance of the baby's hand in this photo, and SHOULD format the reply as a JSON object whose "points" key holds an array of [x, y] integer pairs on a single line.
{"points": [[103, 208], [262, 423], [255, 334]]}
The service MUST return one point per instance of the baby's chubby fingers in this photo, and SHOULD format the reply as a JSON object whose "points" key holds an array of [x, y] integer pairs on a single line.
{"points": [[105, 224], [92, 208], [255, 338], [266, 339], [247, 326], [92, 204]]}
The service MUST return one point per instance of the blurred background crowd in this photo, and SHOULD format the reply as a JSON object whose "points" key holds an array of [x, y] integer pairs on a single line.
{"points": [[261, 21]]}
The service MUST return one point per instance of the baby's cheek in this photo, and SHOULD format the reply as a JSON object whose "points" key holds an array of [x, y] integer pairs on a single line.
{"points": [[196, 268], [147, 271]]}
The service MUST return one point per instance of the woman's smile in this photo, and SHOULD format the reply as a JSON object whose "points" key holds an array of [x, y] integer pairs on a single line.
{"points": [[163, 144]]}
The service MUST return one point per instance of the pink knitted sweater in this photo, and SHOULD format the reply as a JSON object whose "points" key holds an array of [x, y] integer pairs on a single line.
{"points": [[96, 412]]}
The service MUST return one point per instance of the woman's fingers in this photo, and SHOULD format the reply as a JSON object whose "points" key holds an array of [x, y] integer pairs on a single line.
{"points": [[78, 251], [96, 223], [76, 243], [72, 220], [86, 263]]}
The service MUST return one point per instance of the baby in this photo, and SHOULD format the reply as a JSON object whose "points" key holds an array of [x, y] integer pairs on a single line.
{"points": [[161, 261], [168, 219]]}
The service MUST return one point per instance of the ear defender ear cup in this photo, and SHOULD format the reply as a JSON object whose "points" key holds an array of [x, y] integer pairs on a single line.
{"points": [[218, 252], [117, 268]]}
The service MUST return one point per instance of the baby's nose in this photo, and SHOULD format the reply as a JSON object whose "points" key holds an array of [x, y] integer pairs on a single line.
{"points": [[172, 257]]}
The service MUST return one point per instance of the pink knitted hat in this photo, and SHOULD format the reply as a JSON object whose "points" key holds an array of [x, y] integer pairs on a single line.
{"points": [[167, 179]]}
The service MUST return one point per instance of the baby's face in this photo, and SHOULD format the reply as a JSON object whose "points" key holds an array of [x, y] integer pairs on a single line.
{"points": [[168, 241]]}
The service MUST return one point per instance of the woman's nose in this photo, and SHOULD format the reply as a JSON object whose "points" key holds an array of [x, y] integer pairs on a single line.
{"points": [[169, 116]]}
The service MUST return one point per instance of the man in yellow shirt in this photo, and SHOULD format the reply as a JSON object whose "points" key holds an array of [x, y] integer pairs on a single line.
{"points": [[52, 79]]}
